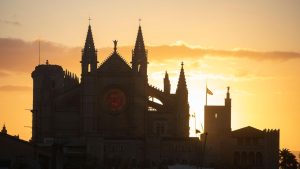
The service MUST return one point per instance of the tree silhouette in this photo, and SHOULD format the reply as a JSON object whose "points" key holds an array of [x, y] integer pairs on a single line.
{"points": [[287, 160]]}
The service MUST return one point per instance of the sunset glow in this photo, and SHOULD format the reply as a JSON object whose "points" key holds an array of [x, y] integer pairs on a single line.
{"points": [[251, 46]]}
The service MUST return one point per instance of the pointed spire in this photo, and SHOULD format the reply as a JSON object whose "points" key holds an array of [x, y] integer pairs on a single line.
{"points": [[139, 43], [89, 55], [181, 86], [89, 42]]}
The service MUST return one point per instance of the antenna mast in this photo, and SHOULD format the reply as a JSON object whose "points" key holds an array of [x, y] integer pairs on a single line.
{"points": [[39, 52]]}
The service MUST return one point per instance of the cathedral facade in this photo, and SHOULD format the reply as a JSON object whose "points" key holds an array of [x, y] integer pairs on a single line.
{"points": [[112, 112], [111, 117]]}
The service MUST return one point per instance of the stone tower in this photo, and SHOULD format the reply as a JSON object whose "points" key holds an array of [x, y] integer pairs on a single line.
{"points": [[47, 79], [139, 63], [88, 80]]}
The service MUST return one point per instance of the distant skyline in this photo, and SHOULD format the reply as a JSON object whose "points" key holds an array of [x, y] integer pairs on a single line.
{"points": [[252, 46]]}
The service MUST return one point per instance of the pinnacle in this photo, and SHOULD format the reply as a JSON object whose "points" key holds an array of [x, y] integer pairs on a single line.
{"points": [[139, 44], [89, 42], [181, 82], [166, 75]]}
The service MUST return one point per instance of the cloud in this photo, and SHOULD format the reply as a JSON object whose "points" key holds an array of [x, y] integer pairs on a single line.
{"points": [[22, 56], [3, 74], [8, 22], [9, 88], [181, 52]]}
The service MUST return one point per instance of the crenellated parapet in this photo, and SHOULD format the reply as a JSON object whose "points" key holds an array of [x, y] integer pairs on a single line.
{"points": [[271, 132], [70, 79], [44, 69]]}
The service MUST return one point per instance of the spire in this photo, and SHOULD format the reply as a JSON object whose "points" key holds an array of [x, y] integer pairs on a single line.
{"points": [[167, 84], [139, 43], [89, 42], [182, 105], [139, 55], [89, 54], [4, 129], [181, 86]]}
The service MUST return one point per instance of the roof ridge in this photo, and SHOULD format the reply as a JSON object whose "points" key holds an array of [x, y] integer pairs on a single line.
{"points": [[114, 54]]}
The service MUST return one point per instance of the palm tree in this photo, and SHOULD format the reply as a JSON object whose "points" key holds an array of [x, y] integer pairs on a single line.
{"points": [[287, 160]]}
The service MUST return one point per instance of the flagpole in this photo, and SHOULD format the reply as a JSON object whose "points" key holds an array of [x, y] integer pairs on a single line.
{"points": [[206, 95], [195, 123]]}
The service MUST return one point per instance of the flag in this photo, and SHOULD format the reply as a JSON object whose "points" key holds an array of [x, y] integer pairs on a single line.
{"points": [[208, 91]]}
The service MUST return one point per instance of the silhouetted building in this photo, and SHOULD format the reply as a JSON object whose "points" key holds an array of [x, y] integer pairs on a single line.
{"points": [[245, 148], [16, 153], [112, 116]]}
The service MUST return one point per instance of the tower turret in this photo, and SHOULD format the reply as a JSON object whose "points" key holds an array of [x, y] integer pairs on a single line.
{"points": [[89, 55], [139, 55], [167, 84], [47, 80], [88, 80]]}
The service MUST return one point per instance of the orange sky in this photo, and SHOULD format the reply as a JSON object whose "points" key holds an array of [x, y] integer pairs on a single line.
{"points": [[252, 46]]}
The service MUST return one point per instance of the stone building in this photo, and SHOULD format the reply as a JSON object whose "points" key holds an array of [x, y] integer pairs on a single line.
{"points": [[16, 153], [112, 115], [113, 118], [245, 148]]}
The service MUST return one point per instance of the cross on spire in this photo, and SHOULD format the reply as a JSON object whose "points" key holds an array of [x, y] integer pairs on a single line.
{"points": [[140, 21], [90, 20]]}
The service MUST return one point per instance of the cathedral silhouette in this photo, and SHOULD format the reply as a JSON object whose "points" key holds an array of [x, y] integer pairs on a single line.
{"points": [[113, 110], [113, 118]]}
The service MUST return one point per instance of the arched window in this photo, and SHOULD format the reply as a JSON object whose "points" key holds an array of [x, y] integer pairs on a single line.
{"points": [[216, 115], [89, 67]]}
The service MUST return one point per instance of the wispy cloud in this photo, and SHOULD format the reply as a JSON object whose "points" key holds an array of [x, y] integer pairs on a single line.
{"points": [[180, 52], [19, 55], [9, 88], [8, 22], [4, 74]]}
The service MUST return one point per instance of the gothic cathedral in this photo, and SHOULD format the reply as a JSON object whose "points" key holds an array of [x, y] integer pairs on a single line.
{"points": [[111, 108]]}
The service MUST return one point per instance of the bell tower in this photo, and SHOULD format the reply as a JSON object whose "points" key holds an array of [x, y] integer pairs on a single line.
{"points": [[88, 81]]}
